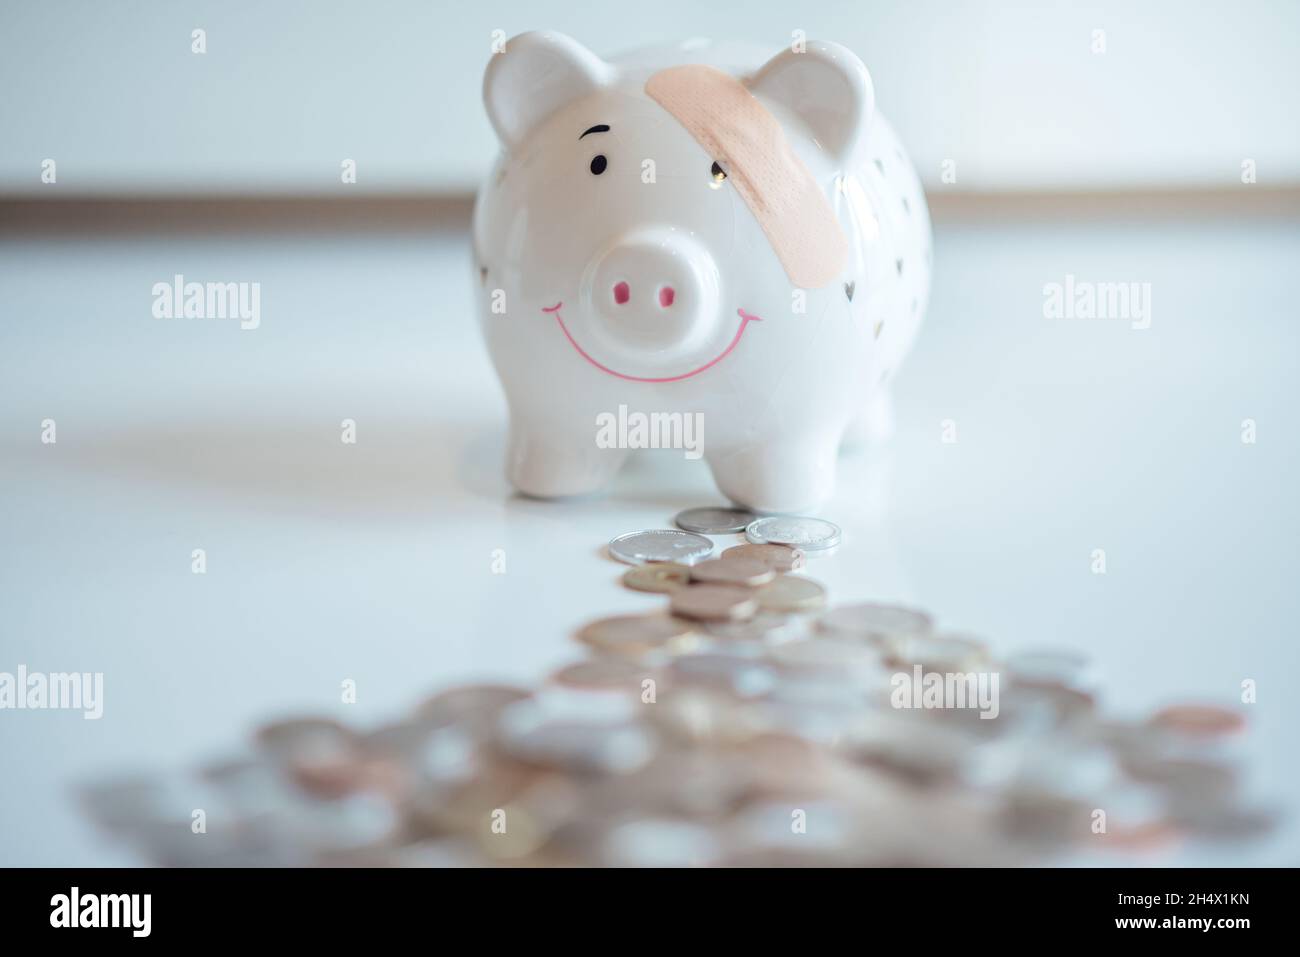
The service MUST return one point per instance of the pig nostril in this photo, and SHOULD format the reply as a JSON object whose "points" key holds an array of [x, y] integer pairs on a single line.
{"points": [[666, 296], [622, 293]]}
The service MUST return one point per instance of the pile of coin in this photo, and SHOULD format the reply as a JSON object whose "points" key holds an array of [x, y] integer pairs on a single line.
{"points": [[742, 723]]}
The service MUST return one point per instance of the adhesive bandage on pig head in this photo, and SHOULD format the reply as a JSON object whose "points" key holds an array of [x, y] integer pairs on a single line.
{"points": [[723, 116]]}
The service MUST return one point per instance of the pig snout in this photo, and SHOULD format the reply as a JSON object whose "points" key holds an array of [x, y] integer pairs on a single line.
{"points": [[653, 289]]}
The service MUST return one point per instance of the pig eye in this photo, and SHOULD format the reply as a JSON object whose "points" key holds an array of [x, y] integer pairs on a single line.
{"points": [[718, 173], [598, 165]]}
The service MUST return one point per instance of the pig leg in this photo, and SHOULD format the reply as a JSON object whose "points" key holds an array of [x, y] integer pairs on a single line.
{"points": [[787, 474], [546, 461], [874, 425]]}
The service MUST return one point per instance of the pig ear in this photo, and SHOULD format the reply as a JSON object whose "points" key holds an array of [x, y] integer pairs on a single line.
{"points": [[827, 88], [535, 75]]}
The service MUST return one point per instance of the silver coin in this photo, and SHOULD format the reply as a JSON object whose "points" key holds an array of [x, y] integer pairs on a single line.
{"points": [[660, 545], [714, 521], [808, 534]]}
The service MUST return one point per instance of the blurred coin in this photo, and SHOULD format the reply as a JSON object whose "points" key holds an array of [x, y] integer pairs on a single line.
{"points": [[825, 655], [908, 744], [699, 717], [388, 752], [780, 558], [1199, 720], [443, 756], [714, 521], [697, 782], [415, 754], [763, 627], [579, 746], [657, 577], [790, 594], [436, 852], [659, 842], [1129, 739], [809, 534], [253, 788], [637, 634], [713, 603], [1047, 666], [305, 738], [818, 686], [660, 545], [172, 843], [1186, 776], [1045, 707], [746, 572], [944, 653], [1047, 818], [319, 754], [1220, 818], [460, 806], [395, 739], [823, 720], [808, 662], [1136, 817], [605, 673], [945, 828], [783, 764], [579, 704], [474, 705], [530, 818], [140, 806], [712, 645], [359, 820], [817, 833], [1068, 767], [119, 802], [868, 620], [742, 677]]}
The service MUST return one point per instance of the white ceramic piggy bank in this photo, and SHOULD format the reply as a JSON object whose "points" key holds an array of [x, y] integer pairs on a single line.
{"points": [[695, 232]]}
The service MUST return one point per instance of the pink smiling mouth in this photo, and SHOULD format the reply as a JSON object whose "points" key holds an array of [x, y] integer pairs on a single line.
{"points": [[745, 319]]}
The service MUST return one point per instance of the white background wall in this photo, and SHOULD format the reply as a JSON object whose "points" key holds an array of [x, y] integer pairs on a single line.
{"points": [[286, 90]]}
